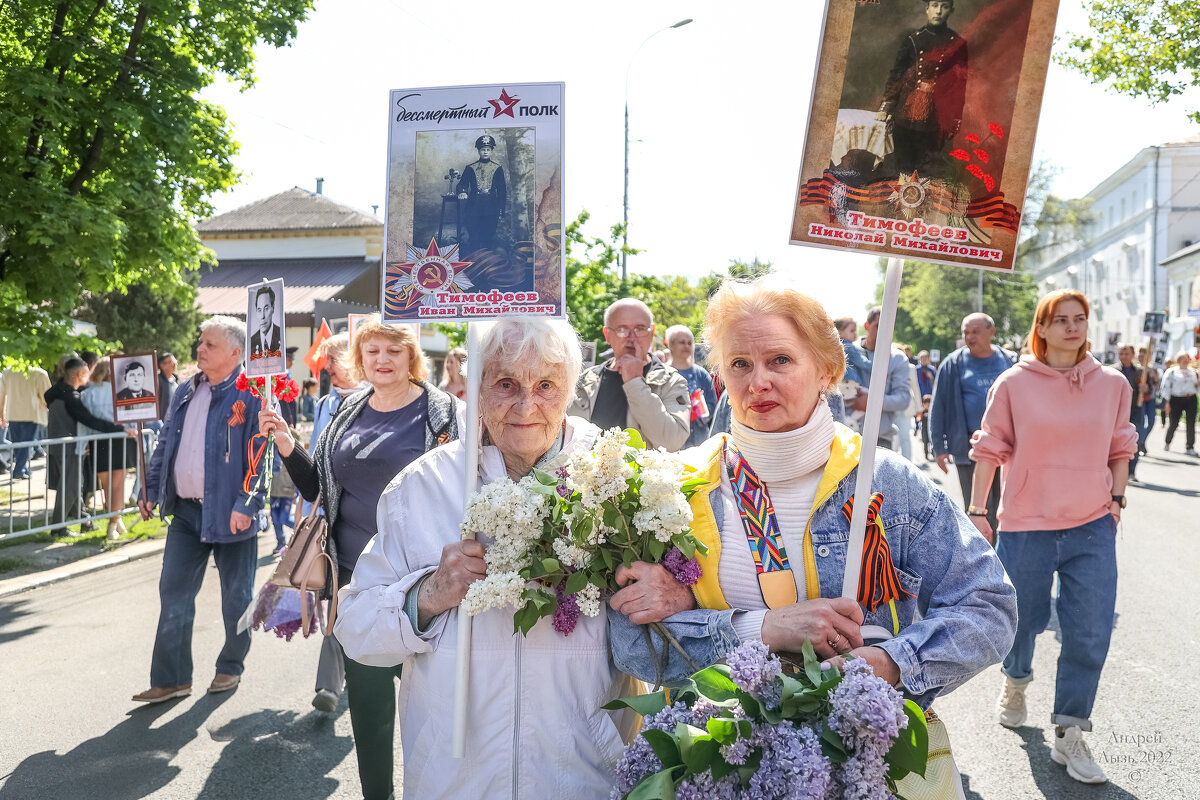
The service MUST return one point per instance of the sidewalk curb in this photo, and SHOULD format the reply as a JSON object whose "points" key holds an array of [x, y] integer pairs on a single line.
{"points": [[131, 552]]}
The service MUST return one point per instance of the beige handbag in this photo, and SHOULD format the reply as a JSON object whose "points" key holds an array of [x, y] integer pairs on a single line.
{"points": [[941, 781], [305, 565]]}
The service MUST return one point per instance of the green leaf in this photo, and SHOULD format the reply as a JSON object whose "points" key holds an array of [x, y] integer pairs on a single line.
{"points": [[525, 618], [812, 664], [607, 555], [832, 745], [715, 684], [634, 439], [657, 550], [545, 478], [721, 768], [723, 729], [686, 545], [664, 746], [550, 565], [644, 704], [575, 582], [910, 751], [659, 786]]}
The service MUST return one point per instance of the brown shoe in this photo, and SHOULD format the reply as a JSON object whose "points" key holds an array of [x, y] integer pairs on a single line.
{"points": [[157, 694], [223, 683]]}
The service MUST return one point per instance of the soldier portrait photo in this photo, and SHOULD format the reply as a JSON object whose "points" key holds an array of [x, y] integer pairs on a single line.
{"points": [[266, 340], [919, 112], [474, 189], [135, 387]]}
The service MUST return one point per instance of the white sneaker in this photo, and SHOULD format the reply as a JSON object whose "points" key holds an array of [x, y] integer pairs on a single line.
{"points": [[1012, 703], [1191, 451], [1072, 752]]}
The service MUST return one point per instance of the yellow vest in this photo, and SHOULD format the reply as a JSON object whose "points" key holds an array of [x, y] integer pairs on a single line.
{"points": [[843, 458]]}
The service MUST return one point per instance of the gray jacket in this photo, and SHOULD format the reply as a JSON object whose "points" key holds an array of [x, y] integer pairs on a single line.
{"points": [[659, 408]]}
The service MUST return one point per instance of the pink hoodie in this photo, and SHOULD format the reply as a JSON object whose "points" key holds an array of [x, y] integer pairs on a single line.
{"points": [[1054, 435]]}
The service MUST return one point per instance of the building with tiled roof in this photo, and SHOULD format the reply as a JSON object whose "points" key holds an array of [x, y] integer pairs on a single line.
{"points": [[327, 253]]}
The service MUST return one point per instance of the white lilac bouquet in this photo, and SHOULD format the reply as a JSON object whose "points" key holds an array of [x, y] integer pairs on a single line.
{"points": [[556, 538], [746, 729]]}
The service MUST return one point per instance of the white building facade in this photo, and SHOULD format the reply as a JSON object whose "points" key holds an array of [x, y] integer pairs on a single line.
{"points": [[1144, 213]]}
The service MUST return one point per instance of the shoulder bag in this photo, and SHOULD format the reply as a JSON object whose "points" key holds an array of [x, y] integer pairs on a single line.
{"points": [[305, 565]]}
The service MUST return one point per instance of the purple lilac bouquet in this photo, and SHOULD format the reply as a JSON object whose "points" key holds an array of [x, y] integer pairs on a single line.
{"points": [[748, 730]]}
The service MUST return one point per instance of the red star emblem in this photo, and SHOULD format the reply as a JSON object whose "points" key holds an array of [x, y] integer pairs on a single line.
{"points": [[417, 280], [507, 101]]}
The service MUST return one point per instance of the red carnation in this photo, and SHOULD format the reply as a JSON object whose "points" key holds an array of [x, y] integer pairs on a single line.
{"points": [[989, 183], [975, 170], [241, 384], [961, 155], [287, 390], [973, 138], [996, 129]]}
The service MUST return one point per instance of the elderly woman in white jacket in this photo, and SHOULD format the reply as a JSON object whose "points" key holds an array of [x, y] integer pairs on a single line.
{"points": [[535, 726]]}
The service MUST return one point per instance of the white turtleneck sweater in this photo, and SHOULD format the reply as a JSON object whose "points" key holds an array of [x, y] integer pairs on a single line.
{"points": [[790, 465]]}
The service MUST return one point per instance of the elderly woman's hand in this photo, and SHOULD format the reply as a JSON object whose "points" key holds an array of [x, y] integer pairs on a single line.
{"points": [[461, 565], [880, 660], [651, 594], [831, 624]]}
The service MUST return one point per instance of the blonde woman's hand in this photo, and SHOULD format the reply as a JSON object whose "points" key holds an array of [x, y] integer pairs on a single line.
{"points": [[270, 422]]}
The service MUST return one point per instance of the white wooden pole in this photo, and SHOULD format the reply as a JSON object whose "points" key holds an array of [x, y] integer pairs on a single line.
{"points": [[870, 436], [471, 441]]}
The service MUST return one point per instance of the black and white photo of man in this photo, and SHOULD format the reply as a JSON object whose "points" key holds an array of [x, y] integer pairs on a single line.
{"points": [[485, 191], [134, 378], [266, 340]]}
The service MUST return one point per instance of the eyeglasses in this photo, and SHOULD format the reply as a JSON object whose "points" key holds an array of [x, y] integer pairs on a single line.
{"points": [[625, 333]]}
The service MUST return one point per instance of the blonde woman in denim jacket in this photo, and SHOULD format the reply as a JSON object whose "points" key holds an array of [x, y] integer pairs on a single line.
{"points": [[954, 612]]}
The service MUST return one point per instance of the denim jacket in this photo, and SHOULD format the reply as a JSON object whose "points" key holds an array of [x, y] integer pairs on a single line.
{"points": [[960, 618], [226, 438]]}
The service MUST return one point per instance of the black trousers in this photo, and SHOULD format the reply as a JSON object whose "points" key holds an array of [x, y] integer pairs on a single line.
{"points": [[1183, 407], [371, 696], [966, 475]]}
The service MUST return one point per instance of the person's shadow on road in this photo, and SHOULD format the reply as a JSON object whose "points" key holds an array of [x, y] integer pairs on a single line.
{"points": [[270, 753], [131, 761]]}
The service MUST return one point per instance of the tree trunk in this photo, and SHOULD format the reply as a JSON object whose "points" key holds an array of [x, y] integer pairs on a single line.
{"points": [[91, 159]]}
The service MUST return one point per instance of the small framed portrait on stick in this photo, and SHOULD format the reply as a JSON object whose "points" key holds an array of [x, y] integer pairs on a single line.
{"points": [[135, 387], [265, 337]]}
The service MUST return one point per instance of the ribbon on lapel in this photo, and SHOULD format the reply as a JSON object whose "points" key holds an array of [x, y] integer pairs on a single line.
{"points": [[878, 582]]}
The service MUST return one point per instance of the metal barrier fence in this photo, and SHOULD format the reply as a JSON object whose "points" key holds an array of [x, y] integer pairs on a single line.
{"points": [[87, 469]]}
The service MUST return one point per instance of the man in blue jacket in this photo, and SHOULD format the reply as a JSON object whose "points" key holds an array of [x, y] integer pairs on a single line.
{"points": [[960, 392], [196, 476]]}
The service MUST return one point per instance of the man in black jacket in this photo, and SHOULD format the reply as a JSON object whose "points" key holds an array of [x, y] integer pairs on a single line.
{"points": [[67, 411]]}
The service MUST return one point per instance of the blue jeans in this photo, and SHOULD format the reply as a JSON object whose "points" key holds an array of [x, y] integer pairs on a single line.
{"points": [[21, 432], [184, 562], [1086, 562], [281, 516], [1149, 407]]}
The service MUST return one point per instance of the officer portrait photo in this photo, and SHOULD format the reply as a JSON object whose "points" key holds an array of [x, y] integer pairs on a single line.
{"points": [[265, 338], [925, 79], [474, 189], [135, 387]]}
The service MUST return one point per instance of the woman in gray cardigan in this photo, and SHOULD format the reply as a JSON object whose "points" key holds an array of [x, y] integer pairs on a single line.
{"points": [[374, 434]]}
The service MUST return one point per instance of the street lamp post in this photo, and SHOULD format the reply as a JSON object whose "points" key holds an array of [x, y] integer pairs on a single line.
{"points": [[625, 204]]}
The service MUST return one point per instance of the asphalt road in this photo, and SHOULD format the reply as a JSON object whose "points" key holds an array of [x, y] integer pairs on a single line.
{"points": [[71, 654]]}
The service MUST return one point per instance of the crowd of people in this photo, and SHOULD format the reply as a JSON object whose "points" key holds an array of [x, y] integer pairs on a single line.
{"points": [[779, 409]]}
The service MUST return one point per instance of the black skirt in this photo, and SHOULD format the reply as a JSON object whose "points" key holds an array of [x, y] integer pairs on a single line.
{"points": [[123, 452]]}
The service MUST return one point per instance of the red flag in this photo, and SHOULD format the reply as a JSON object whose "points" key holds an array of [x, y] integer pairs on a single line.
{"points": [[313, 358]]}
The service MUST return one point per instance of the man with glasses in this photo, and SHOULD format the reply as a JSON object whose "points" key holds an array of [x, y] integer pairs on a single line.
{"points": [[632, 389]]}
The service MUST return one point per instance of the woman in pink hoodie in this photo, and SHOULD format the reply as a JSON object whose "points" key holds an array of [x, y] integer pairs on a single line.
{"points": [[1063, 491]]}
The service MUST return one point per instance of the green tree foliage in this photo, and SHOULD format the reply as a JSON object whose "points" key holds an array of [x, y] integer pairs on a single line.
{"points": [[140, 319], [107, 153], [935, 298], [593, 282], [1142, 48]]}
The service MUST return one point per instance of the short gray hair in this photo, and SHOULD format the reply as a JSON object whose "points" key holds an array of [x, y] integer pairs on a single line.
{"points": [[675, 330], [627, 301], [551, 341], [988, 322], [233, 329]]}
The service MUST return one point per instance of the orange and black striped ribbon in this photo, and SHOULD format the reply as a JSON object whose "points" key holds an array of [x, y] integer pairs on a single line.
{"points": [[877, 582]]}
